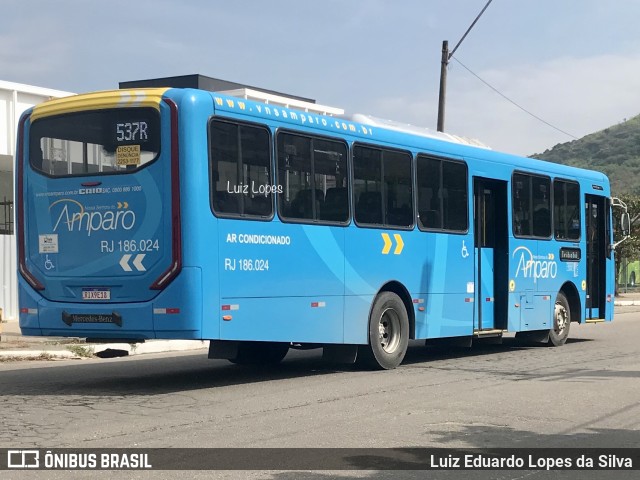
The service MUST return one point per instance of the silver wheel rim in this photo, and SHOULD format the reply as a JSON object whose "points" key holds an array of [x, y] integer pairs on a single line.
{"points": [[389, 330], [561, 320]]}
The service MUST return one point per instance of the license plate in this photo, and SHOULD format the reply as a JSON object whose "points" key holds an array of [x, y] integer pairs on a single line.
{"points": [[96, 294]]}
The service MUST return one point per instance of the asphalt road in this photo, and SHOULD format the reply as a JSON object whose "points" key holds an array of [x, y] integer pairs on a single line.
{"points": [[584, 394]]}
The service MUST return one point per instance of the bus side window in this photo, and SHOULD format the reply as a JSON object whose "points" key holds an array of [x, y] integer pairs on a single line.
{"points": [[398, 187], [240, 166], [302, 205], [369, 208], [521, 205], [541, 188], [442, 194], [541, 222], [531, 204], [312, 170], [455, 204], [429, 217], [429, 172], [383, 187], [566, 208], [261, 205], [336, 205], [367, 185]]}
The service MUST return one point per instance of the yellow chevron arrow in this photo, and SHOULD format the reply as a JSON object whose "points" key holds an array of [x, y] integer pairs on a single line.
{"points": [[387, 243], [400, 244]]}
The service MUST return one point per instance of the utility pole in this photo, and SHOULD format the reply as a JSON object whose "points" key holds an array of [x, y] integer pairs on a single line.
{"points": [[446, 56], [443, 84]]}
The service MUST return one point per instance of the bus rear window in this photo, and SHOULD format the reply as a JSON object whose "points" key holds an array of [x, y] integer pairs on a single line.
{"points": [[95, 142]]}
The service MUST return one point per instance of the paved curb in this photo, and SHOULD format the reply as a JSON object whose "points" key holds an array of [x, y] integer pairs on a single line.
{"points": [[36, 354], [153, 346], [626, 303]]}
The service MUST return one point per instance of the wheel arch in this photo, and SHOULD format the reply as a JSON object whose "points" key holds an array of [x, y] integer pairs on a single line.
{"points": [[573, 297], [399, 289]]}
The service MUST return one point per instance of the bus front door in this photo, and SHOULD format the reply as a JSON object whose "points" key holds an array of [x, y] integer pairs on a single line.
{"points": [[597, 246], [491, 250]]}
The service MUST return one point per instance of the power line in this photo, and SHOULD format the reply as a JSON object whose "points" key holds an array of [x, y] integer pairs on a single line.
{"points": [[469, 29], [444, 63], [512, 102]]}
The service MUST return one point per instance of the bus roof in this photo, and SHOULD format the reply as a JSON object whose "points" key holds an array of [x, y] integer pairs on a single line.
{"points": [[144, 97], [396, 134], [413, 129], [329, 120]]}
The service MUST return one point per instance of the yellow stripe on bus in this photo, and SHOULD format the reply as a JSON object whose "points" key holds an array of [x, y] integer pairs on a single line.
{"points": [[142, 97]]}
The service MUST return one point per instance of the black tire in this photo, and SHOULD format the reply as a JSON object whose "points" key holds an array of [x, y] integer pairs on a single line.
{"points": [[632, 279], [388, 333], [260, 353], [561, 321]]}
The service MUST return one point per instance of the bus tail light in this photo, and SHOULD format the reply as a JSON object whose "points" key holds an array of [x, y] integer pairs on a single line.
{"points": [[176, 227], [22, 256], [166, 311]]}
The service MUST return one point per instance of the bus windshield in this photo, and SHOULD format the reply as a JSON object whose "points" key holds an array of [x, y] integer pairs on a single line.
{"points": [[95, 142]]}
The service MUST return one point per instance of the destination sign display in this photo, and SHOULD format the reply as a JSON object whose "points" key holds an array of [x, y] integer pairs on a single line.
{"points": [[570, 254]]}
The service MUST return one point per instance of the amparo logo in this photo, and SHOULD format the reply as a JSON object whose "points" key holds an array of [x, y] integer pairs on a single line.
{"points": [[74, 217], [530, 267]]}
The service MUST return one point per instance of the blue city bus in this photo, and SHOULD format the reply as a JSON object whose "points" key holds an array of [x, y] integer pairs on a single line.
{"points": [[172, 213]]}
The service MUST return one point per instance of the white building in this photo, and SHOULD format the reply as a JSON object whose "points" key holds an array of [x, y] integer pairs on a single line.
{"points": [[15, 98]]}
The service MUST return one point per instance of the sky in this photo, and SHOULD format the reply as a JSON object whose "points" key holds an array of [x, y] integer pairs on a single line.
{"points": [[573, 64]]}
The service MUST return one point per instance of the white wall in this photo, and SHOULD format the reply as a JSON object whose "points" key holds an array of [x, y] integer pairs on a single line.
{"points": [[15, 98]]}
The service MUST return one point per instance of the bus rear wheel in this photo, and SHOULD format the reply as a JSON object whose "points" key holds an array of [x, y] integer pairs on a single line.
{"points": [[260, 353], [561, 321], [388, 333]]}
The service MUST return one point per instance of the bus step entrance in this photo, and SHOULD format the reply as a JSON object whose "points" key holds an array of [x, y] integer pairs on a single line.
{"points": [[494, 332]]}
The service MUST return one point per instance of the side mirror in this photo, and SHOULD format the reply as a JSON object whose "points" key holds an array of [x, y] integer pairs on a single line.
{"points": [[625, 224], [625, 221]]}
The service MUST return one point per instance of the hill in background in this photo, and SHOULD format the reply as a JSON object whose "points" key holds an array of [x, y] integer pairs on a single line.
{"points": [[614, 151]]}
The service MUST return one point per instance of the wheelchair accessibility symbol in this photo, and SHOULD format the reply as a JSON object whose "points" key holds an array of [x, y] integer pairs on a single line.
{"points": [[48, 264], [464, 252]]}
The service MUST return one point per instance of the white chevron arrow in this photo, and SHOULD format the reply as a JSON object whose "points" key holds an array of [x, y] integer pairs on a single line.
{"points": [[137, 262], [124, 262]]}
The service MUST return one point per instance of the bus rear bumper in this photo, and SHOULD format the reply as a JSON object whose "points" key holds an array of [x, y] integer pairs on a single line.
{"points": [[176, 313]]}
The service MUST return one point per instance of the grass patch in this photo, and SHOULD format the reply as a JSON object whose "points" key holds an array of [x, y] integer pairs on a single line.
{"points": [[81, 350], [65, 341]]}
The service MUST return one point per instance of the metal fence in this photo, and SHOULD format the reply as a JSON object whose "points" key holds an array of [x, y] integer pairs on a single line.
{"points": [[6, 216]]}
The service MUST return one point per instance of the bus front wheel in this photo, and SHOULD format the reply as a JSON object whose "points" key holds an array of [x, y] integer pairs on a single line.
{"points": [[561, 321], [388, 333], [260, 353]]}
